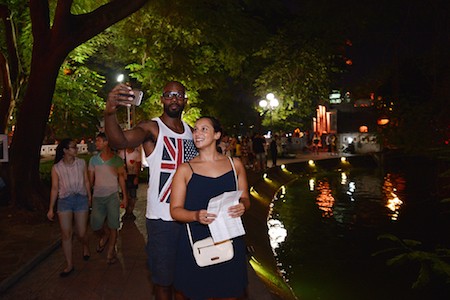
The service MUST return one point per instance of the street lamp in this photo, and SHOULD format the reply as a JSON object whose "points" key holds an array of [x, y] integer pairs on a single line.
{"points": [[120, 79], [270, 103]]}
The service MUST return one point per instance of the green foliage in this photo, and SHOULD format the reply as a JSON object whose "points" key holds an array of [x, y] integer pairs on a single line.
{"points": [[77, 106], [432, 264], [209, 46], [199, 43], [297, 73]]}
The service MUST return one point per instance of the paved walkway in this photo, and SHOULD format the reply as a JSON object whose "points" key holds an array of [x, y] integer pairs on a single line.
{"points": [[32, 260]]}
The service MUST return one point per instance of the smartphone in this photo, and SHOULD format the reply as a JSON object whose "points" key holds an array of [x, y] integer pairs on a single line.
{"points": [[137, 98]]}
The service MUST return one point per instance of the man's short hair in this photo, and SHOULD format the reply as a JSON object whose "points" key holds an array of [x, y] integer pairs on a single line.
{"points": [[103, 136]]}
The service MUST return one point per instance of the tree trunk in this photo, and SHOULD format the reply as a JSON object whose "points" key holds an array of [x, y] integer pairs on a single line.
{"points": [[50, 47], [27, 191]]}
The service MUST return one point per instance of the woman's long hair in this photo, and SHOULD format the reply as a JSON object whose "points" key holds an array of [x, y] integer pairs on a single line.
{"points": [[64, 144]]}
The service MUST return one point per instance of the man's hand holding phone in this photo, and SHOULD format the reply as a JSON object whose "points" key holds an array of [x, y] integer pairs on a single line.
{"points": [[122, 95]]}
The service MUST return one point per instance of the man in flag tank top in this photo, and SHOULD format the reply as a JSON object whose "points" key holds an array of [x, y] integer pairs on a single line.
{"points": [[167, 143]]}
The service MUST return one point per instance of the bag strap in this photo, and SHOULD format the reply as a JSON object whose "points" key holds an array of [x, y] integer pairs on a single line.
{"points": [[189, 234], [235, 178], [234, 171]]}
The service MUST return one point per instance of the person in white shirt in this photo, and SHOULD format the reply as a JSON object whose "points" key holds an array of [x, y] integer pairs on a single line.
{"points": [[167, 143], [132, 160]]}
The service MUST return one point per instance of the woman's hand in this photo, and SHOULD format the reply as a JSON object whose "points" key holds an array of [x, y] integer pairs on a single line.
{"points": [[50, 215], [204, 217], [237, 210]]}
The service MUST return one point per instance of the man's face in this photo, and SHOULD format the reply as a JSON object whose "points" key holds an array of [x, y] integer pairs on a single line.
{"points": [[174, 100], [100, 144]]}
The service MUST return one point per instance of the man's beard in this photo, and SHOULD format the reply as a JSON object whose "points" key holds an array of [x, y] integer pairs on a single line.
{"points": [[174, 113]]}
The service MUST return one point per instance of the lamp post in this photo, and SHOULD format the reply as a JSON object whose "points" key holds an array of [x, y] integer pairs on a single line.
{"points": [[270, 103], [120, 78]]}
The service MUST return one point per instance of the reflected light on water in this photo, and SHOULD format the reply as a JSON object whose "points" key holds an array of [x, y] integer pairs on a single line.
{"points": [[351, 190], [343, 178], [282, 192], [277, 233], [312, 183], [393, 202], [325, 200]]}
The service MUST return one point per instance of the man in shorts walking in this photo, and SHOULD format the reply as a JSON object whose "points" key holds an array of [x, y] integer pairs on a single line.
{"points": [[167, 143], [106, 170]]}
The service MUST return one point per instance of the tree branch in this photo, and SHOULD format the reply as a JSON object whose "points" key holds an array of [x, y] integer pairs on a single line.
{"points": [[5, 104], [40, 18], [13, 60], [62, 13], [86, 26]]}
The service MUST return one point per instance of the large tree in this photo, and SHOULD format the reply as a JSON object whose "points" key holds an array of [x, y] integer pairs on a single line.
{"points": [[53, 39], [204, 44]]}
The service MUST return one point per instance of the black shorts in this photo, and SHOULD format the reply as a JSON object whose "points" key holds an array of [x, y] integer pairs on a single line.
{"points": [[131, 187]]}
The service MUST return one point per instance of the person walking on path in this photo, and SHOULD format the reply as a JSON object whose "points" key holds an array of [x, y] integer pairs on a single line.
{"points": [[167, 143], [132, 162], [106, 173], [195, 183], [274, 150], [71, 188], [259, 148]]}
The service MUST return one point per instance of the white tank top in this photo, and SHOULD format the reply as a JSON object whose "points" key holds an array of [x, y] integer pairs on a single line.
{"points": [[171, 150]]}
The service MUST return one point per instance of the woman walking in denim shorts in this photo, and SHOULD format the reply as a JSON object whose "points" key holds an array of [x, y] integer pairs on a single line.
{"points": [[70, 186]]}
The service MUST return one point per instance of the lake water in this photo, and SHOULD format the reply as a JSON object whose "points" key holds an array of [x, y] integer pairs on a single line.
{"points": [[324, 228]]}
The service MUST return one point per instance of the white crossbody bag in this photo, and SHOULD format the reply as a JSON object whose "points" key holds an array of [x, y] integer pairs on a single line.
{"points": [[206, 252]]}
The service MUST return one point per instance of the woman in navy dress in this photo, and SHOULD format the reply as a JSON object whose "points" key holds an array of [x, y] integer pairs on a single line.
{"points": [[204, 177]]}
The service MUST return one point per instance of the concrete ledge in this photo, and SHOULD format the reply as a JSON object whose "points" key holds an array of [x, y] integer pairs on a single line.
{"points": [[15, 277]]}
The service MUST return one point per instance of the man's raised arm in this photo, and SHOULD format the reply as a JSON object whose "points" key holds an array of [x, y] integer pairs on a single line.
{"points": [[121, 95]]}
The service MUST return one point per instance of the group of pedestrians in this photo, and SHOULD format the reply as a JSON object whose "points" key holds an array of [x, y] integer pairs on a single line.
{"points": [[252, 151], [77, 187], [185, 171]]}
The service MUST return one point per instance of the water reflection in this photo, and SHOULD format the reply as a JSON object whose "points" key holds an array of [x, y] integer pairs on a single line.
{"points": [[343, 178], [277, 233], [333, 219], [325, 200], [391, 185]]}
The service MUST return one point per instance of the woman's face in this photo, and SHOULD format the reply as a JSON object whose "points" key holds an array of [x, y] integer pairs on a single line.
{"points": [[71, 149], [204, 134]]}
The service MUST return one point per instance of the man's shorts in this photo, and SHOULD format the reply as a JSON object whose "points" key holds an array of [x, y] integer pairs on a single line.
{"points": [[162, 243], [74, 203], [105, 208]]}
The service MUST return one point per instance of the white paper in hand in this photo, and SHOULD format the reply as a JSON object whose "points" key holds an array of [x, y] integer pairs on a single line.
{"points": [[225, 227]]}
